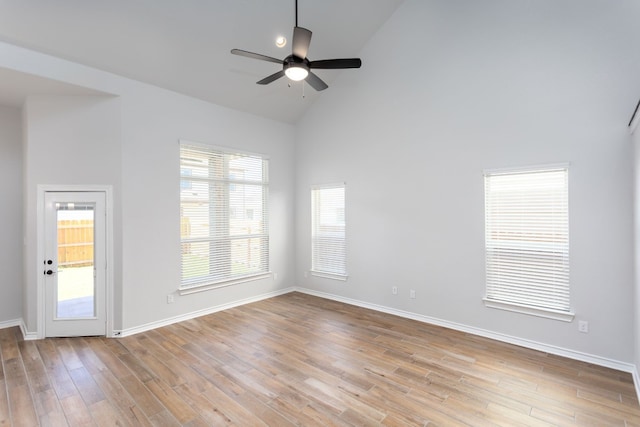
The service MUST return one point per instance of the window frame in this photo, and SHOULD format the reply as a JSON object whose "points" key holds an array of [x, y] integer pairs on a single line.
{"points": [[226, 185], [316, 269], [562, 285]]}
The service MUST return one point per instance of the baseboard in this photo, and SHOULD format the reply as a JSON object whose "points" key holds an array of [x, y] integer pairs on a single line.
{"points": [[558, 351], [10, 323], [636, 380], [165, 322], [28, 336]]}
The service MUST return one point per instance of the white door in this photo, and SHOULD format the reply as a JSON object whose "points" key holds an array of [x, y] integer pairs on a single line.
{"points": [[75, 265]]}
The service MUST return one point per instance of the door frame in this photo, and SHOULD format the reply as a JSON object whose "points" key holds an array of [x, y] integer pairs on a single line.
{"points": [[41, 237]]}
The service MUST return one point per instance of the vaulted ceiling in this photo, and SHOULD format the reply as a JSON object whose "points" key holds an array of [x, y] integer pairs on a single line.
{"points": [[185, 45]]}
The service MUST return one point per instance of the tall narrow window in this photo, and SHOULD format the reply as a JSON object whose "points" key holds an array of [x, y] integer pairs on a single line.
{"points": [[328, 224], [223, 216], [527, 241]]}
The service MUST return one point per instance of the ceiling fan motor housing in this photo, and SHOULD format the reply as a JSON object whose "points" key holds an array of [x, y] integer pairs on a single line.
{"points": [[294, 61]]}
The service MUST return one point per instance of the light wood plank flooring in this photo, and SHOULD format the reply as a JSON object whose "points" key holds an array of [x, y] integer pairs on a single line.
{"points": [[302, 360]]}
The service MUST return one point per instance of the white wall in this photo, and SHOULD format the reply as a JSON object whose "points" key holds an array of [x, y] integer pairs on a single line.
{"points": [[448, 89], [10, 214], [131, 142], [636, 238], [70, 140], [153, 123]]}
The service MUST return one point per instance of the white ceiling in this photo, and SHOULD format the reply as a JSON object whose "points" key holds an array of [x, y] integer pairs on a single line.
{"points": [[16, 86], [184, 45]]}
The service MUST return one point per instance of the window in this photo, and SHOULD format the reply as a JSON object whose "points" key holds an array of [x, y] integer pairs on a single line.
{"points": [[527, 241], [220, 243], [328, 248]]}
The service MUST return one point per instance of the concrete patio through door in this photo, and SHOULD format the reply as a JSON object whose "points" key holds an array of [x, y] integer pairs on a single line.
{"points": [[75, 292]]}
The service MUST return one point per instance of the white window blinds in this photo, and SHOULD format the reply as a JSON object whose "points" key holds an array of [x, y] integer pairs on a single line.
{"points": [[223, 215], [328, 224], [527, 238]]}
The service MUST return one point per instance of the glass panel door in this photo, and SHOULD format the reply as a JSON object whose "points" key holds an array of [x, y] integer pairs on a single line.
{"points": [[75, 264]]}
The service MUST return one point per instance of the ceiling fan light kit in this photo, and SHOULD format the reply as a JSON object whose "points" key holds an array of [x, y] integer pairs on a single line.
{"points": [[297, 66], [296, 72]]}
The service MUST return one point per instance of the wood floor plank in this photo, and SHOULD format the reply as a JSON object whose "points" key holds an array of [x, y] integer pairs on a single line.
{"points": [[151, 363], [90, 360], [299, 414], [54, 419], [172, 401], [143, 397], [31, 358], [5, 414], [230, 408], [120, 398], [68, 354], [76, 411], [20, 399], [104, 414], [305, 361], [21, 404], [109, 359], [9, 343], [47, 404], [86, 386], [207, 410], [56, 370], [138, 367], [263, 412], [164, 419]]}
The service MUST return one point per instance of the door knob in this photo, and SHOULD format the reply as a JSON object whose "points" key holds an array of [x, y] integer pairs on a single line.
{"points": [[49, 272]]}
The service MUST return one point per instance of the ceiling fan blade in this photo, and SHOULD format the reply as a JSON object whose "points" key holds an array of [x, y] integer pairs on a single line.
{"points": [[271, 78], [256, 56], [316, 82], [336, 63], [300, 42]]}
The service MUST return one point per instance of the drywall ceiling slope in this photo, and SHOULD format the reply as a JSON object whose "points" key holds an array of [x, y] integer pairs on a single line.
{"points": [[184, 46], [16, 86]]}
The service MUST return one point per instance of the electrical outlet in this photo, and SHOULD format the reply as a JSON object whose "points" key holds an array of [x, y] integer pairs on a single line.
{"points": [[306, 274], [394, 290], [583, 326], [275, 276], [412, 293], [170, 299]]}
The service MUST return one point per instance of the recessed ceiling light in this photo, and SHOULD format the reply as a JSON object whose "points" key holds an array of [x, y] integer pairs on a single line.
{"points": [[281, 41]]}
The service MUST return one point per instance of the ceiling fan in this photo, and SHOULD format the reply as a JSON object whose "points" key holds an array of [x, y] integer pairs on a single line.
{"points": [[297, 66]]}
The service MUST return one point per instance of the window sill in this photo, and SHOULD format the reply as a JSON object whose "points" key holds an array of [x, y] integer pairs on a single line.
{"points": [[342, 277], [533, 311], [223, 284]]}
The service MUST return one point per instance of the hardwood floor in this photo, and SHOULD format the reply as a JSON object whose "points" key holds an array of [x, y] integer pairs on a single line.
{"points": [[302, 360]]}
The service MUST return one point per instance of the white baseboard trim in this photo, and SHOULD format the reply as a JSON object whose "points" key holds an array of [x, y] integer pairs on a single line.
{"points": [[10, 323], [165, 322], [636, 380], [558, 351], [28, 336]]}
